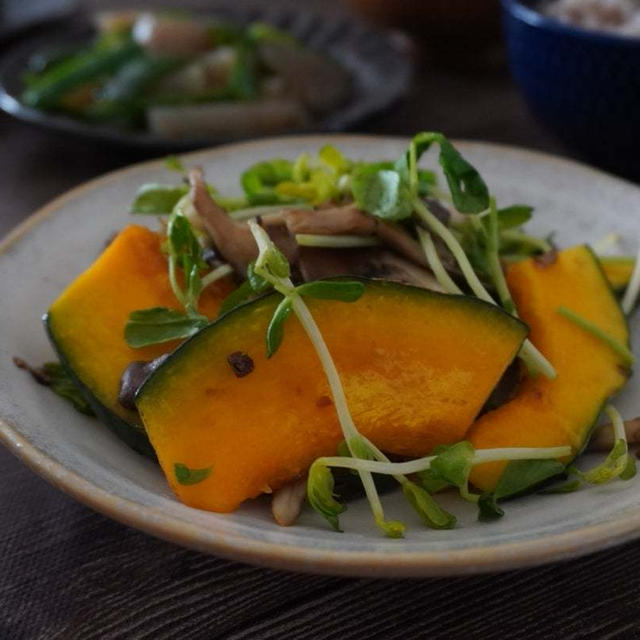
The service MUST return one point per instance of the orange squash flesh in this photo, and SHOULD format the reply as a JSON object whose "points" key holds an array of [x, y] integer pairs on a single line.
{"points": [[557, 412], [86, 323], [416, 366]]}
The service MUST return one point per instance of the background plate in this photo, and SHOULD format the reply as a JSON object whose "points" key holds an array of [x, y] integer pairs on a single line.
{"points": [[378, 61], [83, 458]]}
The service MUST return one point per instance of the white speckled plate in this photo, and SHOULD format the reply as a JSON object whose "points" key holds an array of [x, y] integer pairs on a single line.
{"points": [[83, 458]]}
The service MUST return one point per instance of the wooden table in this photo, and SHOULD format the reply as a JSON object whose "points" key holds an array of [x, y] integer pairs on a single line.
{"points": [[67, 572]]}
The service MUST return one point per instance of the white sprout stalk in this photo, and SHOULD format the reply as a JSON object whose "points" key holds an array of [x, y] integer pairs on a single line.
{"points": [[535, 361], [253, 212], [481, 456], [633, 289], [218, 273], [336, 242], [349, 430], [606, 243], [435, 264], [617, 423]]}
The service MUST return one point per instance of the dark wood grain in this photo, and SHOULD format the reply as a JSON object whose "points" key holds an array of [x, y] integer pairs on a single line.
{"points": [[69, 573]]}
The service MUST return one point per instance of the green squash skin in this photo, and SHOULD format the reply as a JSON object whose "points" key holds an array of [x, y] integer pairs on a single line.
{"points": [[132, 435], [271, 300]]}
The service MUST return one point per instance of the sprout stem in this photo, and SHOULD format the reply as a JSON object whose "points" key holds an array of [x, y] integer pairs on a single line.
{"points": [[435, 264], [617, 346], [336, 242], [631, 293], [606, 243], [481, 456], [349, 430], [217, 274], [253, 212], [535, 361]]}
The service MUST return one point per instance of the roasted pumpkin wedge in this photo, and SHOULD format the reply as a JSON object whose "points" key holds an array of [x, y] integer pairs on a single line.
{"points": [[86, 323], [563, 411], [417, 366], [618, 270]]}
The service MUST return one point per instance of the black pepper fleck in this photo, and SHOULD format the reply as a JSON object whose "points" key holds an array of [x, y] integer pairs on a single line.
{"points": [[241, 363]]}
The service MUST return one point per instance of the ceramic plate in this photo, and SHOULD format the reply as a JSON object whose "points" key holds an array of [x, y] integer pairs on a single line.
{"points": [[375, 59], [86, 460]]}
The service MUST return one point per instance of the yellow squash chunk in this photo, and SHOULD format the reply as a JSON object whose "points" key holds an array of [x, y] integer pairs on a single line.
{"points": [[416, 366], [86, 323], [557, 412]]}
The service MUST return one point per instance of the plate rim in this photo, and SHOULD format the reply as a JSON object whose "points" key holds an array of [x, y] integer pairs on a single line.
{"points": [[153, 521]]}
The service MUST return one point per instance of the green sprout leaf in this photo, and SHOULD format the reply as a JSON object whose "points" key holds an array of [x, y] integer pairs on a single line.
{"points": [[260, 180], [514, 216], [382, 192], [431, 513], [184, 252], [522, 475], [431, 481], [332, 158], [454, 464], [61, 383], [360, 448], [159, 324], [468, 190], [629, 470], [342, 290], [237, 297], [614, 465], [275, 330], [488, 509], [186, 476], [320, 496], [157, 199], [257, 283], [277, 263]]}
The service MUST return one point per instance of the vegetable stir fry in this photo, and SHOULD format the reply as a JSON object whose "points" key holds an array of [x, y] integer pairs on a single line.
{"points": [[346, 325], [181, 76]]}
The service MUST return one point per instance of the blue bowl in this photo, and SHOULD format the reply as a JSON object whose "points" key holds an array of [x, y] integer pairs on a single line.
{"points": [[584, 86]]}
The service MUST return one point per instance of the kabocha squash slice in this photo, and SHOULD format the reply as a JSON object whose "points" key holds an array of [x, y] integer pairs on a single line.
{"points": [[618, 270], [563, 411], [417, 366], [86, 323]]}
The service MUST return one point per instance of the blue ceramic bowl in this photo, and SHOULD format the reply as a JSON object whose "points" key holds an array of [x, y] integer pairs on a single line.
{"points": [[583, 85]]}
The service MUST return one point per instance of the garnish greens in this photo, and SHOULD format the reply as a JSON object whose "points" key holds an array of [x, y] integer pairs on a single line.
{"points": [[618, 464], [61, 383], [393, 193], [185, 475], [56, 376], [160, 324]]}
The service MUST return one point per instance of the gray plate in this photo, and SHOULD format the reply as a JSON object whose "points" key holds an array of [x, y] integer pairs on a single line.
{"points": [[84, 458], [378, 61]]}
